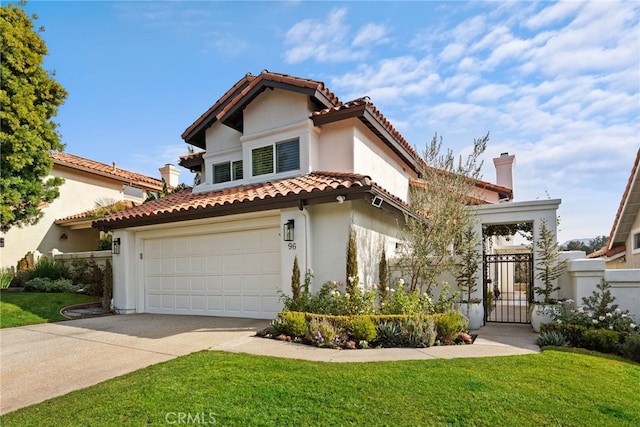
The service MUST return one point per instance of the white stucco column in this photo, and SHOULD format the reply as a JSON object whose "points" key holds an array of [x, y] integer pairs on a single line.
{"points": [[124, 273], [584, 276]]}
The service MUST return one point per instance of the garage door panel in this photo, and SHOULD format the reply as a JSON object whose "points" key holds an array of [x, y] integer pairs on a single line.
{"points": [[215, 284], [224, 274], [198, 283], [183, 284]]}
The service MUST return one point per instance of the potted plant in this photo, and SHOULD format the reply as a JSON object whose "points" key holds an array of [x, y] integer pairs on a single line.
{"points": [[548, 268], [466, 267]]}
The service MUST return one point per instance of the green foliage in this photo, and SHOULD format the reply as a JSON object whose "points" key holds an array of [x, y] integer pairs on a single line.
{"points": [[51, 269], [439, 202], [362, 328], [89, 275], [154, 195], [449, 325], [446, 300], [383, 277], [417, 332], [388, 334], [322, 333], [551, 338], [352, 262], [600, 302], [277, 327], [593, 245], [630, 348], [6, 277], [107, 282], [400, 301], [548, 265], [602, 340], [295, 323], [105, 242], [43, 284], [360, 301], [30, 98], [295, 286], [467, 265]]}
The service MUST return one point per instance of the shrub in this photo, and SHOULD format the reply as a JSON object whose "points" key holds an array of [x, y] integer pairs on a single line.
{"points": [[551, 338], [417, 332], [295, 323], [21, 278], [360, 301], [277, 327], [107, 290], [362, 328], [89, 275], [630, 348], [602, 340], [50, 269], [449, 325], [388, 334], [321, 333], [410, 303], [40, 284], [6, 277]]}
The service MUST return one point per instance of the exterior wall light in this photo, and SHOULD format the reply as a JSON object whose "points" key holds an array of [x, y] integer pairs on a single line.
{"points": [[115, 246], [287, 231]]}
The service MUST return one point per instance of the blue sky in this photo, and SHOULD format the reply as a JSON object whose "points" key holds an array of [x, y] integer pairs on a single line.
{"points": [[556, 84]]}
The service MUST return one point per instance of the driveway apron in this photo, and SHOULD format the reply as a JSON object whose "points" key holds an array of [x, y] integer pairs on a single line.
{"points": [[39, 362]]}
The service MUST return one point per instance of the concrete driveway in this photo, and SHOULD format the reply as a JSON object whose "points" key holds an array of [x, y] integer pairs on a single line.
{"points": [[39, 362]]}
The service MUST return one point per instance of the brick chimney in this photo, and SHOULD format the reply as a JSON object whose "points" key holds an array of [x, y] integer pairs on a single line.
{"points": [[504, 169], [170, 175]]}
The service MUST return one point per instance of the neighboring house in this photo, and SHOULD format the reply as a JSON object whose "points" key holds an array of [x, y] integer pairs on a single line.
{"points": [[66, 223], [623, 247], [286, 170]]}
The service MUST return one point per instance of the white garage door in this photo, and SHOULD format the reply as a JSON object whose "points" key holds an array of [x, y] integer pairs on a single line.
{"points": [[235, 274]]}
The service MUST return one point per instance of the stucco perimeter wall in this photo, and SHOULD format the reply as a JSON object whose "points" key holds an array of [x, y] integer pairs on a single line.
{"points": [[79, 193], [583, 275]]}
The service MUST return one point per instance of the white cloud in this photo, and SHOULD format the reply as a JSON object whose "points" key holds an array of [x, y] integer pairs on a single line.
{"points": [[370, 33], [327, 40], [552, 14]]}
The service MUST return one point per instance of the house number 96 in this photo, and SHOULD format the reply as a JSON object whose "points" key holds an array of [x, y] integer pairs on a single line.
{"points": [[292, 246]]}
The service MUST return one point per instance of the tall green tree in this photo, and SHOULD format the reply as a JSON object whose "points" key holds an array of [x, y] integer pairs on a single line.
{"points": [[440, 202], [30, 98]]}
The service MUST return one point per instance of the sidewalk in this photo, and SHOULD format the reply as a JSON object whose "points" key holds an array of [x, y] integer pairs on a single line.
{"points": [[495, 339]]}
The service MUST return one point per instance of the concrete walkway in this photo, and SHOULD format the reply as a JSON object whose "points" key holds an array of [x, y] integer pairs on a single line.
{"points": [[43, 361]]}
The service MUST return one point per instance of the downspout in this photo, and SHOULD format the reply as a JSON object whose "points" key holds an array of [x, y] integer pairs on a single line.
{"points": [[307, 237]]}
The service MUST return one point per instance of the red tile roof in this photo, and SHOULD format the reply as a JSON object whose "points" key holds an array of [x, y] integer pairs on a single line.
{"points": [[110, 171], [320, 187], [94, 213]]}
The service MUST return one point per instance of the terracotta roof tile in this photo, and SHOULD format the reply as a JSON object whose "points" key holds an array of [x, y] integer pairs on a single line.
{"points": [[186, 201], [618, 235], [91, 213], [112, 171]]}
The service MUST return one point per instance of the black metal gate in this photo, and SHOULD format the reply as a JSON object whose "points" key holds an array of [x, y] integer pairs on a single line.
{"points": [[508, 287]]}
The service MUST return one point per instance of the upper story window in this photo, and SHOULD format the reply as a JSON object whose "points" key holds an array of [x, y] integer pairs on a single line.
{"points": [[281, 157], [227, 171]]}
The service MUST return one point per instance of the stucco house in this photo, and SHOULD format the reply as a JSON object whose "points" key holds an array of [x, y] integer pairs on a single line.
{"points": [[287, 169], [623, 247], [66, 223]]}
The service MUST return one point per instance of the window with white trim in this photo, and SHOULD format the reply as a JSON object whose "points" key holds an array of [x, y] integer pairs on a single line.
{"points": [[227, 171], [635, 241], [281, 157]]}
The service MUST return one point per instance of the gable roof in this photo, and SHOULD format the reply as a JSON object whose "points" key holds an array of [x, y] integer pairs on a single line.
{"points": [[313, 188], [228, 109], [102, 169], [627, 210]]}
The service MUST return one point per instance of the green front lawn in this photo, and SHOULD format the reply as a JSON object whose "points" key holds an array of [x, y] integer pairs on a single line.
{"points": [[552, 388], [28, 308]]}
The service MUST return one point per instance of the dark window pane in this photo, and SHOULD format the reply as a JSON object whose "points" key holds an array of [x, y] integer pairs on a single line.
{"points": [[288, 155], [262, 160], [221, 173], [238, 172]]}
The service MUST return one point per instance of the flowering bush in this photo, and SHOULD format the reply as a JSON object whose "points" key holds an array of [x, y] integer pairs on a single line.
{"points": [[598, 311], [399, 301]]}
